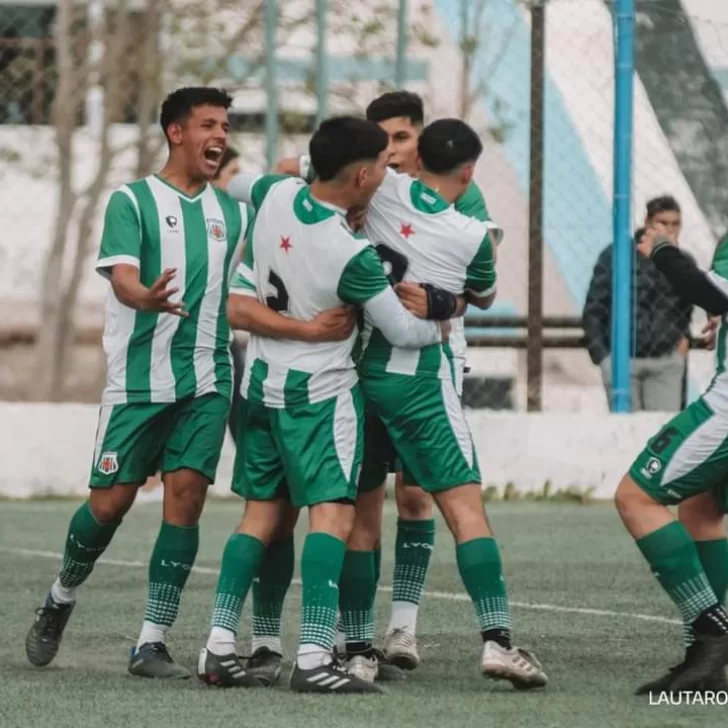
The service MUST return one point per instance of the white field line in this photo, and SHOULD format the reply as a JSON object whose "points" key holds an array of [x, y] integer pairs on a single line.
{"points": [[447, 596]]}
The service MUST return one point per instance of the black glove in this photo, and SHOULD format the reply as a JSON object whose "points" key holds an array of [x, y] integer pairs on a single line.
{"points": [[441, 304]]}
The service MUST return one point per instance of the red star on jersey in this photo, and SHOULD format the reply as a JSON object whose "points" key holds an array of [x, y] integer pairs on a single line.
{"points": [[286, 243], [406, 231]]}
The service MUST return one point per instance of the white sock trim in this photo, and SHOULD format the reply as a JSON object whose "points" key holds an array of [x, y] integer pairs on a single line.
{"points": [[311, 656], [61, 594], [152, 632], [272, 643], [221, 641], [404, 616]]}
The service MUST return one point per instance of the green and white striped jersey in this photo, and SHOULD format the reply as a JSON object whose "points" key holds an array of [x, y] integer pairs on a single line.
{"points": [[301, 259], [717, 392], [159, 357], [441, 246]]}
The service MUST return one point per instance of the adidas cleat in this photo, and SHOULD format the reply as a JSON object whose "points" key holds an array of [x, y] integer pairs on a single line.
{"points": [[400, 649], [224, 671], [44, 637], [331, 679], [153, 660], [518, 666], [265, 665]]}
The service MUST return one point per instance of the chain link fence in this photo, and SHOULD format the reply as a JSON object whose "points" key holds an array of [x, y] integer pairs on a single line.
{"points": [[81, 83]]}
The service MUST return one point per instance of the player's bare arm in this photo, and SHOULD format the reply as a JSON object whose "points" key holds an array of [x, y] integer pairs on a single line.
{"points": [[416, 299], [248, 314], [132, 293]]}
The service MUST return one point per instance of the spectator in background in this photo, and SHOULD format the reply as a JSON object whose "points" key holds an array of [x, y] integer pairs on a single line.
{"points": [[661, 321], [229, 167]]}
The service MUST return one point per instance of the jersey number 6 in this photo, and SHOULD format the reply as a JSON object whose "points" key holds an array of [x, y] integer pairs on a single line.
{"points": [[395, 263], [279, 302]]}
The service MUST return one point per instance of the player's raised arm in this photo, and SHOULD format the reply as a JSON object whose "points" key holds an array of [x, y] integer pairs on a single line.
{"points": [[363, 282], [252, 188], [119, 258], [480, 283], [707, 290]]}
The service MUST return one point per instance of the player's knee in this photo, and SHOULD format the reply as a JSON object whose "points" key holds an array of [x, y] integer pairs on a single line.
{"points": [[629, 497], [413, 503], [334, 518], [110, 505]]}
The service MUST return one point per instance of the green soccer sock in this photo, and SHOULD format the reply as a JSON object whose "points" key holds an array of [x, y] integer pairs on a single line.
{"points": [[377, 565], [413, 549], [172, 559], [87, 539], [269, 592], [240, 563], [713, 557], [480, 568], [673, 558], [357, 587], [321, 564]]}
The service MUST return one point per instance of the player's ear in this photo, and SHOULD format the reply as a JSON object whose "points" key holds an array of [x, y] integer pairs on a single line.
{"points": [[174, 133], [467, 173]]}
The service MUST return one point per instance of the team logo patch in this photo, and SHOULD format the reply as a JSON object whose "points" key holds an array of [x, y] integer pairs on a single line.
{"points": [[216, 229], [108, 463], [652, 467], [171, 221]]}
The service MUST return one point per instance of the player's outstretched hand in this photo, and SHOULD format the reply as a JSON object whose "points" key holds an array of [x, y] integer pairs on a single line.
{"points": [[414, 298], [656, 233], [334, 324], [157, 298]]}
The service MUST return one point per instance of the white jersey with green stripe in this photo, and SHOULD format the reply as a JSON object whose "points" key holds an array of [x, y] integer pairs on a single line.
{"points": [[427, 240], [159, 357], [301, 259]]}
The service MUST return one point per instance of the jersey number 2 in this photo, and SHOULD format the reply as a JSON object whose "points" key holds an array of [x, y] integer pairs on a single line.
{"points": [[279, 302]]}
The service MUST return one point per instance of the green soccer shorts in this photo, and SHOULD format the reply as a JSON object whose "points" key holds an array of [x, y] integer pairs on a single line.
{"points": [[427, 427], [135, 441], [308, 453], [687, 457]]}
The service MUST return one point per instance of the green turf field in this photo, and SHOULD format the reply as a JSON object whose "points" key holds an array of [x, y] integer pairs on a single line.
{"points": [[581, 597]]}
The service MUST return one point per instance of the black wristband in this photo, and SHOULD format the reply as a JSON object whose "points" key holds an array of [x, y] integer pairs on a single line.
{"points": [[441, 304]]}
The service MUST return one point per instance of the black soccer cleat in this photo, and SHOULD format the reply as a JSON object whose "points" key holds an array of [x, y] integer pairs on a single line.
{"points": [[330, 679], [44, 637], [706, 664], [265, 665], [153, 660], [224, 671]]}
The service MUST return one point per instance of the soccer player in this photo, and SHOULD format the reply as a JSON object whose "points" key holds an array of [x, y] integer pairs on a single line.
{"points": [[168, 246], [685, 464], [401, 115], [301, 411]]}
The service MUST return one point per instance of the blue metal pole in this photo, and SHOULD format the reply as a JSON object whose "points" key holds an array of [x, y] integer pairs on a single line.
{"points": [[401, 62], [623, 247], [322, 65], [271, 89]]}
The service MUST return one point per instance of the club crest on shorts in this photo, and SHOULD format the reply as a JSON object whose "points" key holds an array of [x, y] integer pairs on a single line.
{"points": [[108, 463], [652, 467], [216, 229]]}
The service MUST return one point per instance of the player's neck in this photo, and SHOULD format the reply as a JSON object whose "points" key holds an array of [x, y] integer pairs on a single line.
{"points": [[330, 195], [447, 188], [181, 180]]}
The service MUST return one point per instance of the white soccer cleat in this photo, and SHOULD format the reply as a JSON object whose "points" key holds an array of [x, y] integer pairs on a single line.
{"points": [[365, 668], [518, 666], [400, 649]]}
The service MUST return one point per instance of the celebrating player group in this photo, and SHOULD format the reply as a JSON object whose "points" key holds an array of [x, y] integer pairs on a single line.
{"points": [[351, 270]]}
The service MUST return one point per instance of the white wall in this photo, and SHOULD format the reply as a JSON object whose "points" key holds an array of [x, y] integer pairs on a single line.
{"points": [[46, 449]]}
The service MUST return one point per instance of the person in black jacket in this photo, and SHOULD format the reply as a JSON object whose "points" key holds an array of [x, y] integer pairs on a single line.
{"points": [[660, 317]]}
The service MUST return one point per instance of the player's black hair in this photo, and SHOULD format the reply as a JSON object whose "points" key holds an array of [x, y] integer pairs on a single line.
{"points": [[397, 103], [229, 154], [342, 140], [179, 104], [665, 203], [445, 144]]}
